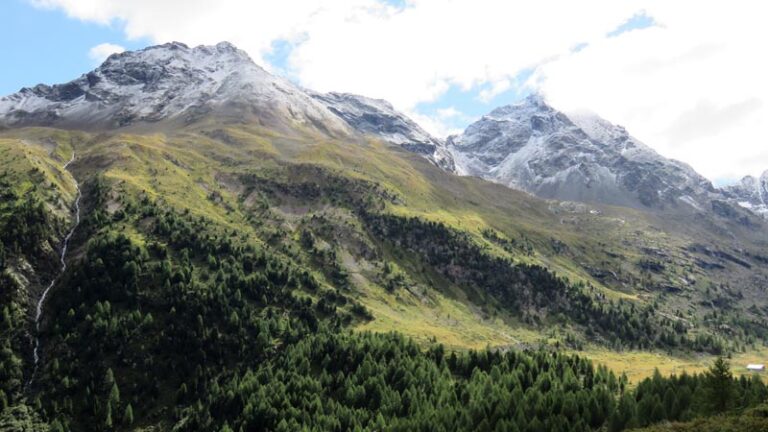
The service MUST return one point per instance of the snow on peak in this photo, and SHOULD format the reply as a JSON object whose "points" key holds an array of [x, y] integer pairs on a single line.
{"points": [[169, 81], [751, 193], [595, 126], [579, 157], [379, 118]]}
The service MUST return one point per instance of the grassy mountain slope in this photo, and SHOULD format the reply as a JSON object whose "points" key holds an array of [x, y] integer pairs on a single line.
{"points": [[246, 178], [201, 238]]}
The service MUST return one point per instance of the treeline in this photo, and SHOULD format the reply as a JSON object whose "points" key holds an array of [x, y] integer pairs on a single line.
{"points": [[12, 340], [686, 397], [333, 381], [533, 292], [339, 382], [25, 222]]}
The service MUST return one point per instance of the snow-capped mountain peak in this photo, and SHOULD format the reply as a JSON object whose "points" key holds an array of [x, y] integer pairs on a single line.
{"points": [[580, 157], [379, 118], [173, 82], [169, 82], [751, 193]]}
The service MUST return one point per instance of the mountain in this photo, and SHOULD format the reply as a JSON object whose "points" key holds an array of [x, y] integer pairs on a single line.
{"points": [[578, 157], [259, 262], [750, 193], [173, 82], [169, 82], [378, 117]]}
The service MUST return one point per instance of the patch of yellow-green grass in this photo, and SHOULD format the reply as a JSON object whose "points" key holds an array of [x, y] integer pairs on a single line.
{"points": [[134, 235], [429, 315], [454, 324], [372, 160], [30, 166], [641, 364], [57, 143], [179, 176]]}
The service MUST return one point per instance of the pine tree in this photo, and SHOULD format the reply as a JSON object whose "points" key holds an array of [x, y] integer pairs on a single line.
{"points": [[114, 395], [623, 417], [128, 415], [719, 386], [108, 417], [56, 426]]}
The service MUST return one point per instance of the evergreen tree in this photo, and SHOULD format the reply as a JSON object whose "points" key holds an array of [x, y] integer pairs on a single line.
{"points": [[719, 385], [624, 415], [128, 415]]}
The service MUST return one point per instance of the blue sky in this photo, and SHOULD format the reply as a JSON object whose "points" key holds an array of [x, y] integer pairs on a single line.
{"points": [[45, 46]]}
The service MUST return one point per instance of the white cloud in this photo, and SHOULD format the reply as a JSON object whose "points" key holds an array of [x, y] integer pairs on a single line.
{"points": [[438, 126], [251, 25], [450, 112], [100, 52], [408, 55], [693, 86], [496, 89]]}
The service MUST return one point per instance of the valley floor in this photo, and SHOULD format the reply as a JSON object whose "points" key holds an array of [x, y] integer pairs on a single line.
{"points": [[641, 364], [458, 325]]}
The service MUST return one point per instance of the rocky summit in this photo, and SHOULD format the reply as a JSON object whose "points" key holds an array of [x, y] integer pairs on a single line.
{"points": [[176, 83], [578, 157], [751, 193], [378, 117], [169, 82]]}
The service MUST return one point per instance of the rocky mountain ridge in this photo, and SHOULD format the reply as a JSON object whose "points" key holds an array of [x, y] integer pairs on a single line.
{"points": [[378, 117], [751, 193], [173, 82], [528, 146], [577, 157]]}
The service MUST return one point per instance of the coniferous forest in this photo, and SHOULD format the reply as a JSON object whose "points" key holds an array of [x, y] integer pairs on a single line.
{"points": [[169, 319]]}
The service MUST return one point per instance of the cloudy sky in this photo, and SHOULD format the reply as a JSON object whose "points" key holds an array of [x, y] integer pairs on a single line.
{"points": [[689, 78]]}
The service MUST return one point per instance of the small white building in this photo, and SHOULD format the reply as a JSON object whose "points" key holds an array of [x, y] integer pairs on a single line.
{"points": [[756, 367]]}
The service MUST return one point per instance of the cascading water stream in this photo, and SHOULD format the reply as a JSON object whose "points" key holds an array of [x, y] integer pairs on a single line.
{"points": [[62, 259]]}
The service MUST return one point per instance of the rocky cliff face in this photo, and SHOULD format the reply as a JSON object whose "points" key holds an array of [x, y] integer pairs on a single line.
{"points": [[751, 193], [377, 117], [577, 157]]}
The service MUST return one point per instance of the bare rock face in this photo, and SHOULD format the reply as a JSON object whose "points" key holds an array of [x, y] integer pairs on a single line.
{"points": [[575, 157], [751, 193], [378, 118]]}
